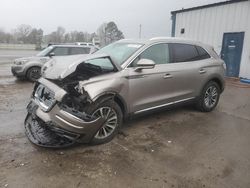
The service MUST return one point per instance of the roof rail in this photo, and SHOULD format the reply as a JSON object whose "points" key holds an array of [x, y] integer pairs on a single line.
{"points": [[158, 38]]}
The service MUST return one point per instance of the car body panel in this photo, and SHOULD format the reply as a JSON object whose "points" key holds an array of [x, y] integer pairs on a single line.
{"points": [[140, 90]]}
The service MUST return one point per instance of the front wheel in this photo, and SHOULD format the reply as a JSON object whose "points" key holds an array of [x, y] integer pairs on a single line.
{"points": [[113, 115], [209, 97], [34, 73]]}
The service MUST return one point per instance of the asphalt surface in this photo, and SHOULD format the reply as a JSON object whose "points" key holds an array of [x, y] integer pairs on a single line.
{"points": [[179, 147]]}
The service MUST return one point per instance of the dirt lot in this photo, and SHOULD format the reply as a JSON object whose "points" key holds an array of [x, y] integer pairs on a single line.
{"points": [[173, 148]]}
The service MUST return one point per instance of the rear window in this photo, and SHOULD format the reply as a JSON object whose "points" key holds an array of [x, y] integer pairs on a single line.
{"points": [[202, 53]]}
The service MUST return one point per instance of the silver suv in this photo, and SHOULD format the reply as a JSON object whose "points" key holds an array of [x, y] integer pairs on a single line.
{"points": [[30, 67], [86, 98]]}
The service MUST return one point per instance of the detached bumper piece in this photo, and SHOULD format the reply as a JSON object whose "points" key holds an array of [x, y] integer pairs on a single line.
{"points": [[39, 134]]}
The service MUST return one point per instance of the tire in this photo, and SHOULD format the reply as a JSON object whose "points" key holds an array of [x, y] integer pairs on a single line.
{"points": [[33, 74], [209, 97], [116, 123]]}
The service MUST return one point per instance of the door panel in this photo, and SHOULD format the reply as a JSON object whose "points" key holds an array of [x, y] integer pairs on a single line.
{"points": [[231, 52], [147, 88]]}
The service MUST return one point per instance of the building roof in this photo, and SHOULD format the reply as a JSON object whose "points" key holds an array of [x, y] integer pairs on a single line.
{"points": [[207, 6]]}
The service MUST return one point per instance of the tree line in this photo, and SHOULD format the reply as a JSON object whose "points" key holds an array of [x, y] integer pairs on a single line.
{"points": [[26, 34]]}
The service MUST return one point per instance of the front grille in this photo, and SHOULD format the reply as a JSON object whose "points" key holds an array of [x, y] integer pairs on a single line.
{"points": [[45, 97]]}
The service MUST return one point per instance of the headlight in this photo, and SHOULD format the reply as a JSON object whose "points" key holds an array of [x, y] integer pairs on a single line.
{"points": [[21, 62]]}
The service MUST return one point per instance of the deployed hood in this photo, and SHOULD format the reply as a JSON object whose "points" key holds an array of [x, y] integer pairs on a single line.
{"points": [[59, 68]]}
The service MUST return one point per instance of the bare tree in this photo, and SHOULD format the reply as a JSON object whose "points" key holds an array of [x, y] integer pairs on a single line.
{"points": [[22, 32], [109, 33]]}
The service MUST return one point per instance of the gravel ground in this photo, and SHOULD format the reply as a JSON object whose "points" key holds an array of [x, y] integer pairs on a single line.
{"points": [[179, 147]]}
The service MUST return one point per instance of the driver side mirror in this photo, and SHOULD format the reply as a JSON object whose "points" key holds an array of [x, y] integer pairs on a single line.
{"points": [[144, 64], [51, 54]]}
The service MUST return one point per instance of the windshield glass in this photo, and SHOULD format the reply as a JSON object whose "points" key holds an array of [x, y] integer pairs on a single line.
{"points": [[120, 51], [45, 51]]}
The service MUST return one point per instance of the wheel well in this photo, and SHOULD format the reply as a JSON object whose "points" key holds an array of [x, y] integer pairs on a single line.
{"points": [[218, 81], [121, 104], [117, 99], [31, 68]]}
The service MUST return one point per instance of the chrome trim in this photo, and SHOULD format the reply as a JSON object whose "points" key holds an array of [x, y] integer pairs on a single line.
{"points": [[162, 105], [68, 123], [74, 117], [42, 105]]}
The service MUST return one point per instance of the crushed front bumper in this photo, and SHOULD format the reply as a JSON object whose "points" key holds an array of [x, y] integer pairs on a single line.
{"points": [[57, 127]]}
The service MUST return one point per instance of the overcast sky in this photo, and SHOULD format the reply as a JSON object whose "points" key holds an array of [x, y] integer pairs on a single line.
{"points": [[88, 15]]}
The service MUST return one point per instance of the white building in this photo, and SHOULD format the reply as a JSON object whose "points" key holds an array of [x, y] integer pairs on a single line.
{"points": [[225, 26]]}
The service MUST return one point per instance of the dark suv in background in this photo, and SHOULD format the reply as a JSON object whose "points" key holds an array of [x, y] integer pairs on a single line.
{"points": [[30, 67]]}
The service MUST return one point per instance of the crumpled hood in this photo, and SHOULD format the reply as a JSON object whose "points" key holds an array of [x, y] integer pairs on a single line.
{"points": [[60, 67]]}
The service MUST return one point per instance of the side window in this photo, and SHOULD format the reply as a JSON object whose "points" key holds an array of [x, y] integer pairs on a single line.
{"points": [[202, 53], [158, 53], [104, 63], [77, 50], [184, 53], [61, 51]]}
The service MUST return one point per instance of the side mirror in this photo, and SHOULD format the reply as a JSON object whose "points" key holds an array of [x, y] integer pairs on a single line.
{"points": [[51, 54], [145, 64]]}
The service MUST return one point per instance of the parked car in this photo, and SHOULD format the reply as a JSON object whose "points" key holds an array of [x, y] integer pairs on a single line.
{"points": [[88, 98], [30, 67]]}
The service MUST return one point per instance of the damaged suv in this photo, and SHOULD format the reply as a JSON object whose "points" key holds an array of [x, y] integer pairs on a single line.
{"points": [[84, 99]]}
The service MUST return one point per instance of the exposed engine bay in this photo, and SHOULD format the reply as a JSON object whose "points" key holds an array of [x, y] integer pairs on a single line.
{"points": [[58, 110]]}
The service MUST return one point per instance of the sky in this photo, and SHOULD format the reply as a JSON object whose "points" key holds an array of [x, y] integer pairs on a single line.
{"points": [[88, 15]]}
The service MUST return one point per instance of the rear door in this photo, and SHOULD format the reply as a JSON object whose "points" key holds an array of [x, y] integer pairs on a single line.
{"points": [[187, 70]]}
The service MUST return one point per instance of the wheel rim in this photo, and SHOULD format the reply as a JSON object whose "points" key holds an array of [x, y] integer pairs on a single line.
{"points": [[111, 122], [211, 96], [34, 74]]}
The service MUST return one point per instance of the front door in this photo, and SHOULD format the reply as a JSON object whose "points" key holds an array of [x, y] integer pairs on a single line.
{"points": [[147, 88], [231, 52]]}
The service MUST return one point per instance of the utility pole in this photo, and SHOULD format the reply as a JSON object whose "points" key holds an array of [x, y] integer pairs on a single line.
{"points": [[140, 31]]}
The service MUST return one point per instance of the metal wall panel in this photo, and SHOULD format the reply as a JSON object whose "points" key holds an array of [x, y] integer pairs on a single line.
{"points": [[209, 24]]}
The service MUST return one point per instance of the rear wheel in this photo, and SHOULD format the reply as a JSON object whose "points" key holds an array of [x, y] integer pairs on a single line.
{"points": [[209, 97], [112, 113], [34, 73]]}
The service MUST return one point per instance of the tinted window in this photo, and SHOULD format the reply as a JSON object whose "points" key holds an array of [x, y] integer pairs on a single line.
{"points": [[158, 53], [202, 53], [75, 50], [184, 53], [60, 51]]}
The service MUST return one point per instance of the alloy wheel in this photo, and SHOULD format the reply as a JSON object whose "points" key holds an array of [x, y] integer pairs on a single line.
{"points": [[211, 96], [111, 122]]}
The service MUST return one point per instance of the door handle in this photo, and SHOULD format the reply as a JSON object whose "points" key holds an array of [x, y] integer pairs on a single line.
{"points": [[167, 76], [202, 71]]}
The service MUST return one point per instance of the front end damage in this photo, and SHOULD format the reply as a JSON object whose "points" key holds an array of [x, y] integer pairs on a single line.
{"points": [[57, 118]]}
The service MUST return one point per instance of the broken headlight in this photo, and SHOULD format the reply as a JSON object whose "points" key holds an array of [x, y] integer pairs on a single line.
{"points": [[45, 97]]}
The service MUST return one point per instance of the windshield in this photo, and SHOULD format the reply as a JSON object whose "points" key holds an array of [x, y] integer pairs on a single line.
{"points": [[120, 51], [45, 51]]}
